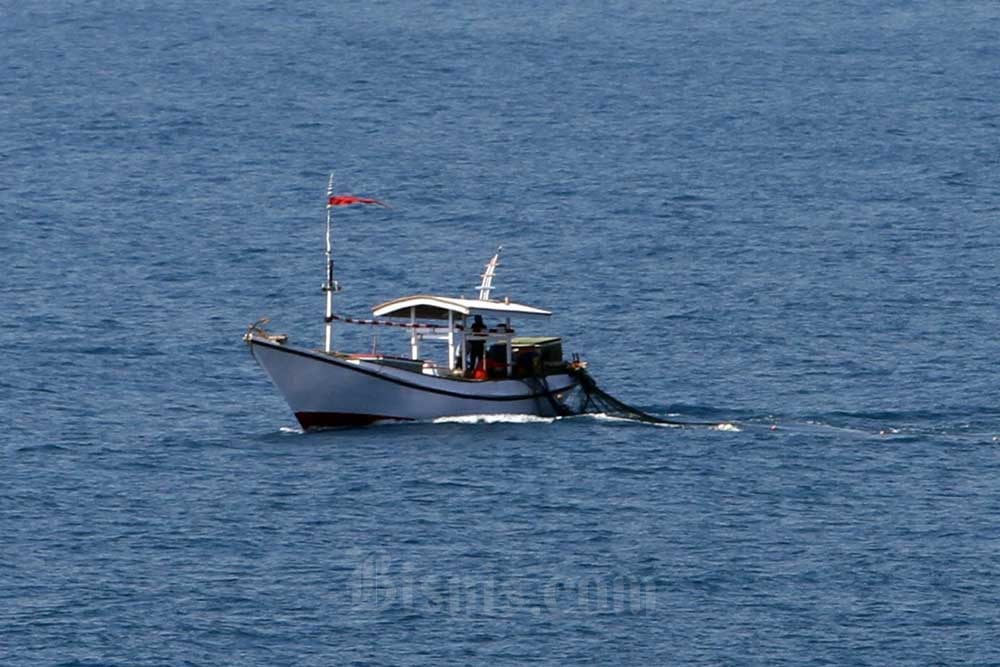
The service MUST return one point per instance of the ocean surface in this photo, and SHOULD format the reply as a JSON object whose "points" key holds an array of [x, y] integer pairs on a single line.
{"points": [[779, 218]]}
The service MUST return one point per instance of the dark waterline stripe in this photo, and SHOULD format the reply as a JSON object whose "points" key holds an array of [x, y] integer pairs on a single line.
{"points": [[311, 420]]}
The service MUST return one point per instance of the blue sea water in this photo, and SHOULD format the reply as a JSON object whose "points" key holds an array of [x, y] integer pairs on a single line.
{"points": [[782, 217]]}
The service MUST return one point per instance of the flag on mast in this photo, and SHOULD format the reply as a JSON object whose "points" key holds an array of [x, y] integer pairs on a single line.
{"points": [[347, 200]]}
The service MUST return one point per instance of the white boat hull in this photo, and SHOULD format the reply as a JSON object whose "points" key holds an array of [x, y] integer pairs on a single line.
{"points": [[327, 391]]}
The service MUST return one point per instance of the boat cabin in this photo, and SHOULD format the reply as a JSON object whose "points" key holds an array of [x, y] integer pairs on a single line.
{"points": [[481, 341]]}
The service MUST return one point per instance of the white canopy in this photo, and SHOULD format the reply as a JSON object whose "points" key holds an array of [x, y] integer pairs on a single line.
{"points": [[438, 307]]}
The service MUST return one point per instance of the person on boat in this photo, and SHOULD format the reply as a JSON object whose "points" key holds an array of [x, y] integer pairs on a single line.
{"points": [[496, 361], [477, 343]]}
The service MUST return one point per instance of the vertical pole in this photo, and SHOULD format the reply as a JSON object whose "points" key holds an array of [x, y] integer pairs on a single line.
{"points": [[463, 354], [328, 287], [510, 351], [414, 345], [451, 340]]}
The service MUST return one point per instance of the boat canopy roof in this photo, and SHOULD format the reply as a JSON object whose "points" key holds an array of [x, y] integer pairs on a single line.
{"points": [[437, 308]]}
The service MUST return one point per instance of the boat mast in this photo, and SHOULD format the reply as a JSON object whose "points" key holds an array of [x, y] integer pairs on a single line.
{"points": [[329, 286], [491, 268]]}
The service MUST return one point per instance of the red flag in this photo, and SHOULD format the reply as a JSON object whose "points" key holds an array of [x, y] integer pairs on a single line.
{"points": [[347, 200]]}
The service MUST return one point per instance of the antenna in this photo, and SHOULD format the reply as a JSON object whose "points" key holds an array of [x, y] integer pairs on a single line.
{"points": [[487, 276]]}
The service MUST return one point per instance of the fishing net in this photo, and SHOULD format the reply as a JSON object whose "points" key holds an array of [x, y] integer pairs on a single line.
{"points": [[588, 398]]}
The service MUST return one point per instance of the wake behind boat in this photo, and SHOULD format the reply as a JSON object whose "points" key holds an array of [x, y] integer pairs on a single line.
{"points": [[488, 366]]}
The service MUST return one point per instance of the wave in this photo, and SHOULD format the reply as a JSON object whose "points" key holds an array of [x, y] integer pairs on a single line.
{"points": [[859, 424], [38, 449], [494, 419], [603, 416], [729, 427]]}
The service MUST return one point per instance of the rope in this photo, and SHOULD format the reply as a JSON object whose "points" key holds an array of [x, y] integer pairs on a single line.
{"points": [[380, 323]]}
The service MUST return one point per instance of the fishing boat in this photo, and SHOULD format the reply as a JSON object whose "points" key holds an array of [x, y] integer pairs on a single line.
{"points": [[466, 357]]}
